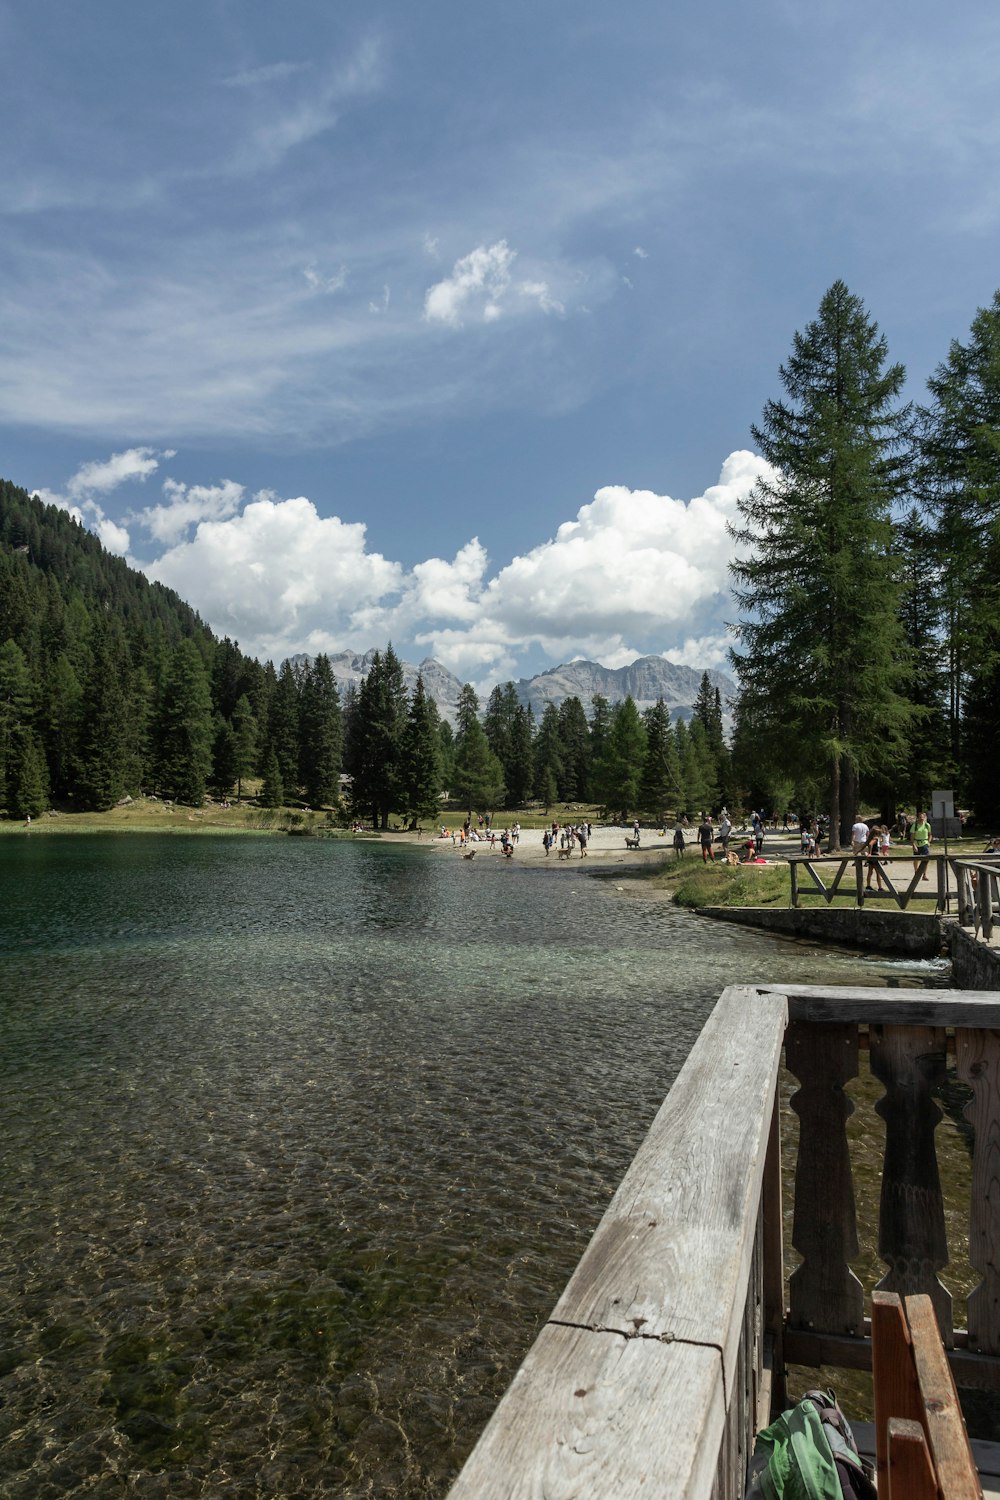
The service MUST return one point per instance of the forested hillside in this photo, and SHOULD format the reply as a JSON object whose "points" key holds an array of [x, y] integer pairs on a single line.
{"points": [[109, 683]]}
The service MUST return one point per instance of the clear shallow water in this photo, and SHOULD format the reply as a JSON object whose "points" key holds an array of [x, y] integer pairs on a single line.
{"points": [[299, 1140]]}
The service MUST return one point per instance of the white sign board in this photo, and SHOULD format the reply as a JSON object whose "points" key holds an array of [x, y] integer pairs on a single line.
{"points": [[942, 804]]}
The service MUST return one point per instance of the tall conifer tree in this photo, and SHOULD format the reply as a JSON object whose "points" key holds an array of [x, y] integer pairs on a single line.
{"points": [[821, 652]]}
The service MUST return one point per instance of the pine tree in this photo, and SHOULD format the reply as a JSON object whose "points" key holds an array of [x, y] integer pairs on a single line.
{"points": [[272, 791], [960, 482], [618, 774], [823, 655], [508, 733], [100, 774], [185, 727], [574, 735], [477, 780], [28, 778], [16, 711], [378, 721], [600, 728], [422, 755], [244, 742], [519, 771], [548, 752], [63, 715], [661, 776], [283, 725], [223, 756], [467, 710], [928, 761], [321, 734]]}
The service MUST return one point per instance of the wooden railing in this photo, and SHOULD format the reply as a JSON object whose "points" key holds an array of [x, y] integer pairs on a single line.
{"points": [[902, 883], [977, 884], [667, 1350]]}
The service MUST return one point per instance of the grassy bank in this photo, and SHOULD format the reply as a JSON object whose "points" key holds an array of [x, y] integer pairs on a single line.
{"points": [[692, 883], [148, 815]]}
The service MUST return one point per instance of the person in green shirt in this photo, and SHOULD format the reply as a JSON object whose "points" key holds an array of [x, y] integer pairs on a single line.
{"points": [[920, 838]]}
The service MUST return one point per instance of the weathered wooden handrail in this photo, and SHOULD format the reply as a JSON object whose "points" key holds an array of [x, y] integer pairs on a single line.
{"points": [[652, 1374], [646, 1378], [978, 885], [864, 863]]}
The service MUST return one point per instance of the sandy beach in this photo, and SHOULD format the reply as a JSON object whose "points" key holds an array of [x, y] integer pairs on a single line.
{"points": [[606, 846]]}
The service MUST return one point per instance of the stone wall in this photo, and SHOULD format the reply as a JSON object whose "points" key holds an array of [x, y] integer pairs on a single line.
{"points": [[918, 934], [975, 965]]}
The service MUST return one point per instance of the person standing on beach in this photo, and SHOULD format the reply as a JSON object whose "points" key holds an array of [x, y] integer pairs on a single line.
{"points": [[725, 829], [706, 837], [679, 848], [920, 838]]}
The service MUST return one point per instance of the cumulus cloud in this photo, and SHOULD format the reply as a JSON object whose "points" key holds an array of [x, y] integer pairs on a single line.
{"points": [[633, 571], [186, 505], [280, 577], [477, 283]]}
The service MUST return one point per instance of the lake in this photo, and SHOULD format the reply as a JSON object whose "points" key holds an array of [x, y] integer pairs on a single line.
{"points": [[300, 1139]]}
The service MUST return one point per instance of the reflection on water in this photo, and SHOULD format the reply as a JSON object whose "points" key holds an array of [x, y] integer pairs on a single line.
{"points": [[299, 1141]]}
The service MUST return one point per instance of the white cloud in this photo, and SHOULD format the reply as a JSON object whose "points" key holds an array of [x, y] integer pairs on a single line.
{"points": [[322, 283], [105, 475], [186, 505], [382, 305], [481, 287], [268, 73], [701, 651], [280, 577], [476, 285], [640, 253], [634, 571]]}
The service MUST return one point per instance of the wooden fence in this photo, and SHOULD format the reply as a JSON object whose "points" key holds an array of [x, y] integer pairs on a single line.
{"points": [[665, 1353], [978, 888], [888, 874]]}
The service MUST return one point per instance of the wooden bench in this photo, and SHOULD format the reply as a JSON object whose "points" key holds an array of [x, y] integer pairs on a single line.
{"points": [[922, 1449]]}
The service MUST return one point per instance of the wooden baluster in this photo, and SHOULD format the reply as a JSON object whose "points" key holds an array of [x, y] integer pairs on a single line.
{"points": [[978, 1055], [823, 1291], [910, 1060]]}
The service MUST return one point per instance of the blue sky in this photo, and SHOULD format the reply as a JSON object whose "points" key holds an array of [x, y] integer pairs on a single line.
{"points": [[448, 323]]}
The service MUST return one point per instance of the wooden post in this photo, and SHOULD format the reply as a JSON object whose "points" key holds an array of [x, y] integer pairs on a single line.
{"points": [[910, 1060], [793, 870], [823, 1291], [859, 879], [978, 1058], [774, 1264], [897, 1393], [910, 1474], [984, 904]]}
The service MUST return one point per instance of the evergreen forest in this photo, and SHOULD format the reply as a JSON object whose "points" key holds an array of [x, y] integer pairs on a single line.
{"points": [[866, 643]]}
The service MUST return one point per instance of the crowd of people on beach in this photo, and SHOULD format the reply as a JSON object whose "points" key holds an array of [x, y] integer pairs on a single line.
{"points": [[719, 839]]}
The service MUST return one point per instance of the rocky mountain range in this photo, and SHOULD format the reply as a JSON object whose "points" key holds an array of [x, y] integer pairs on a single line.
{"points": [[646, 679]]}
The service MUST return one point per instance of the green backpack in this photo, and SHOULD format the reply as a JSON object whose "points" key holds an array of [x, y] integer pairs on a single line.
{"points": [[809, 1453]]}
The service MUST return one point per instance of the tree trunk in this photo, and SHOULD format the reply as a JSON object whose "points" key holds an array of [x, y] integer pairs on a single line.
{"points": [[834, 829], [848, 799]]}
